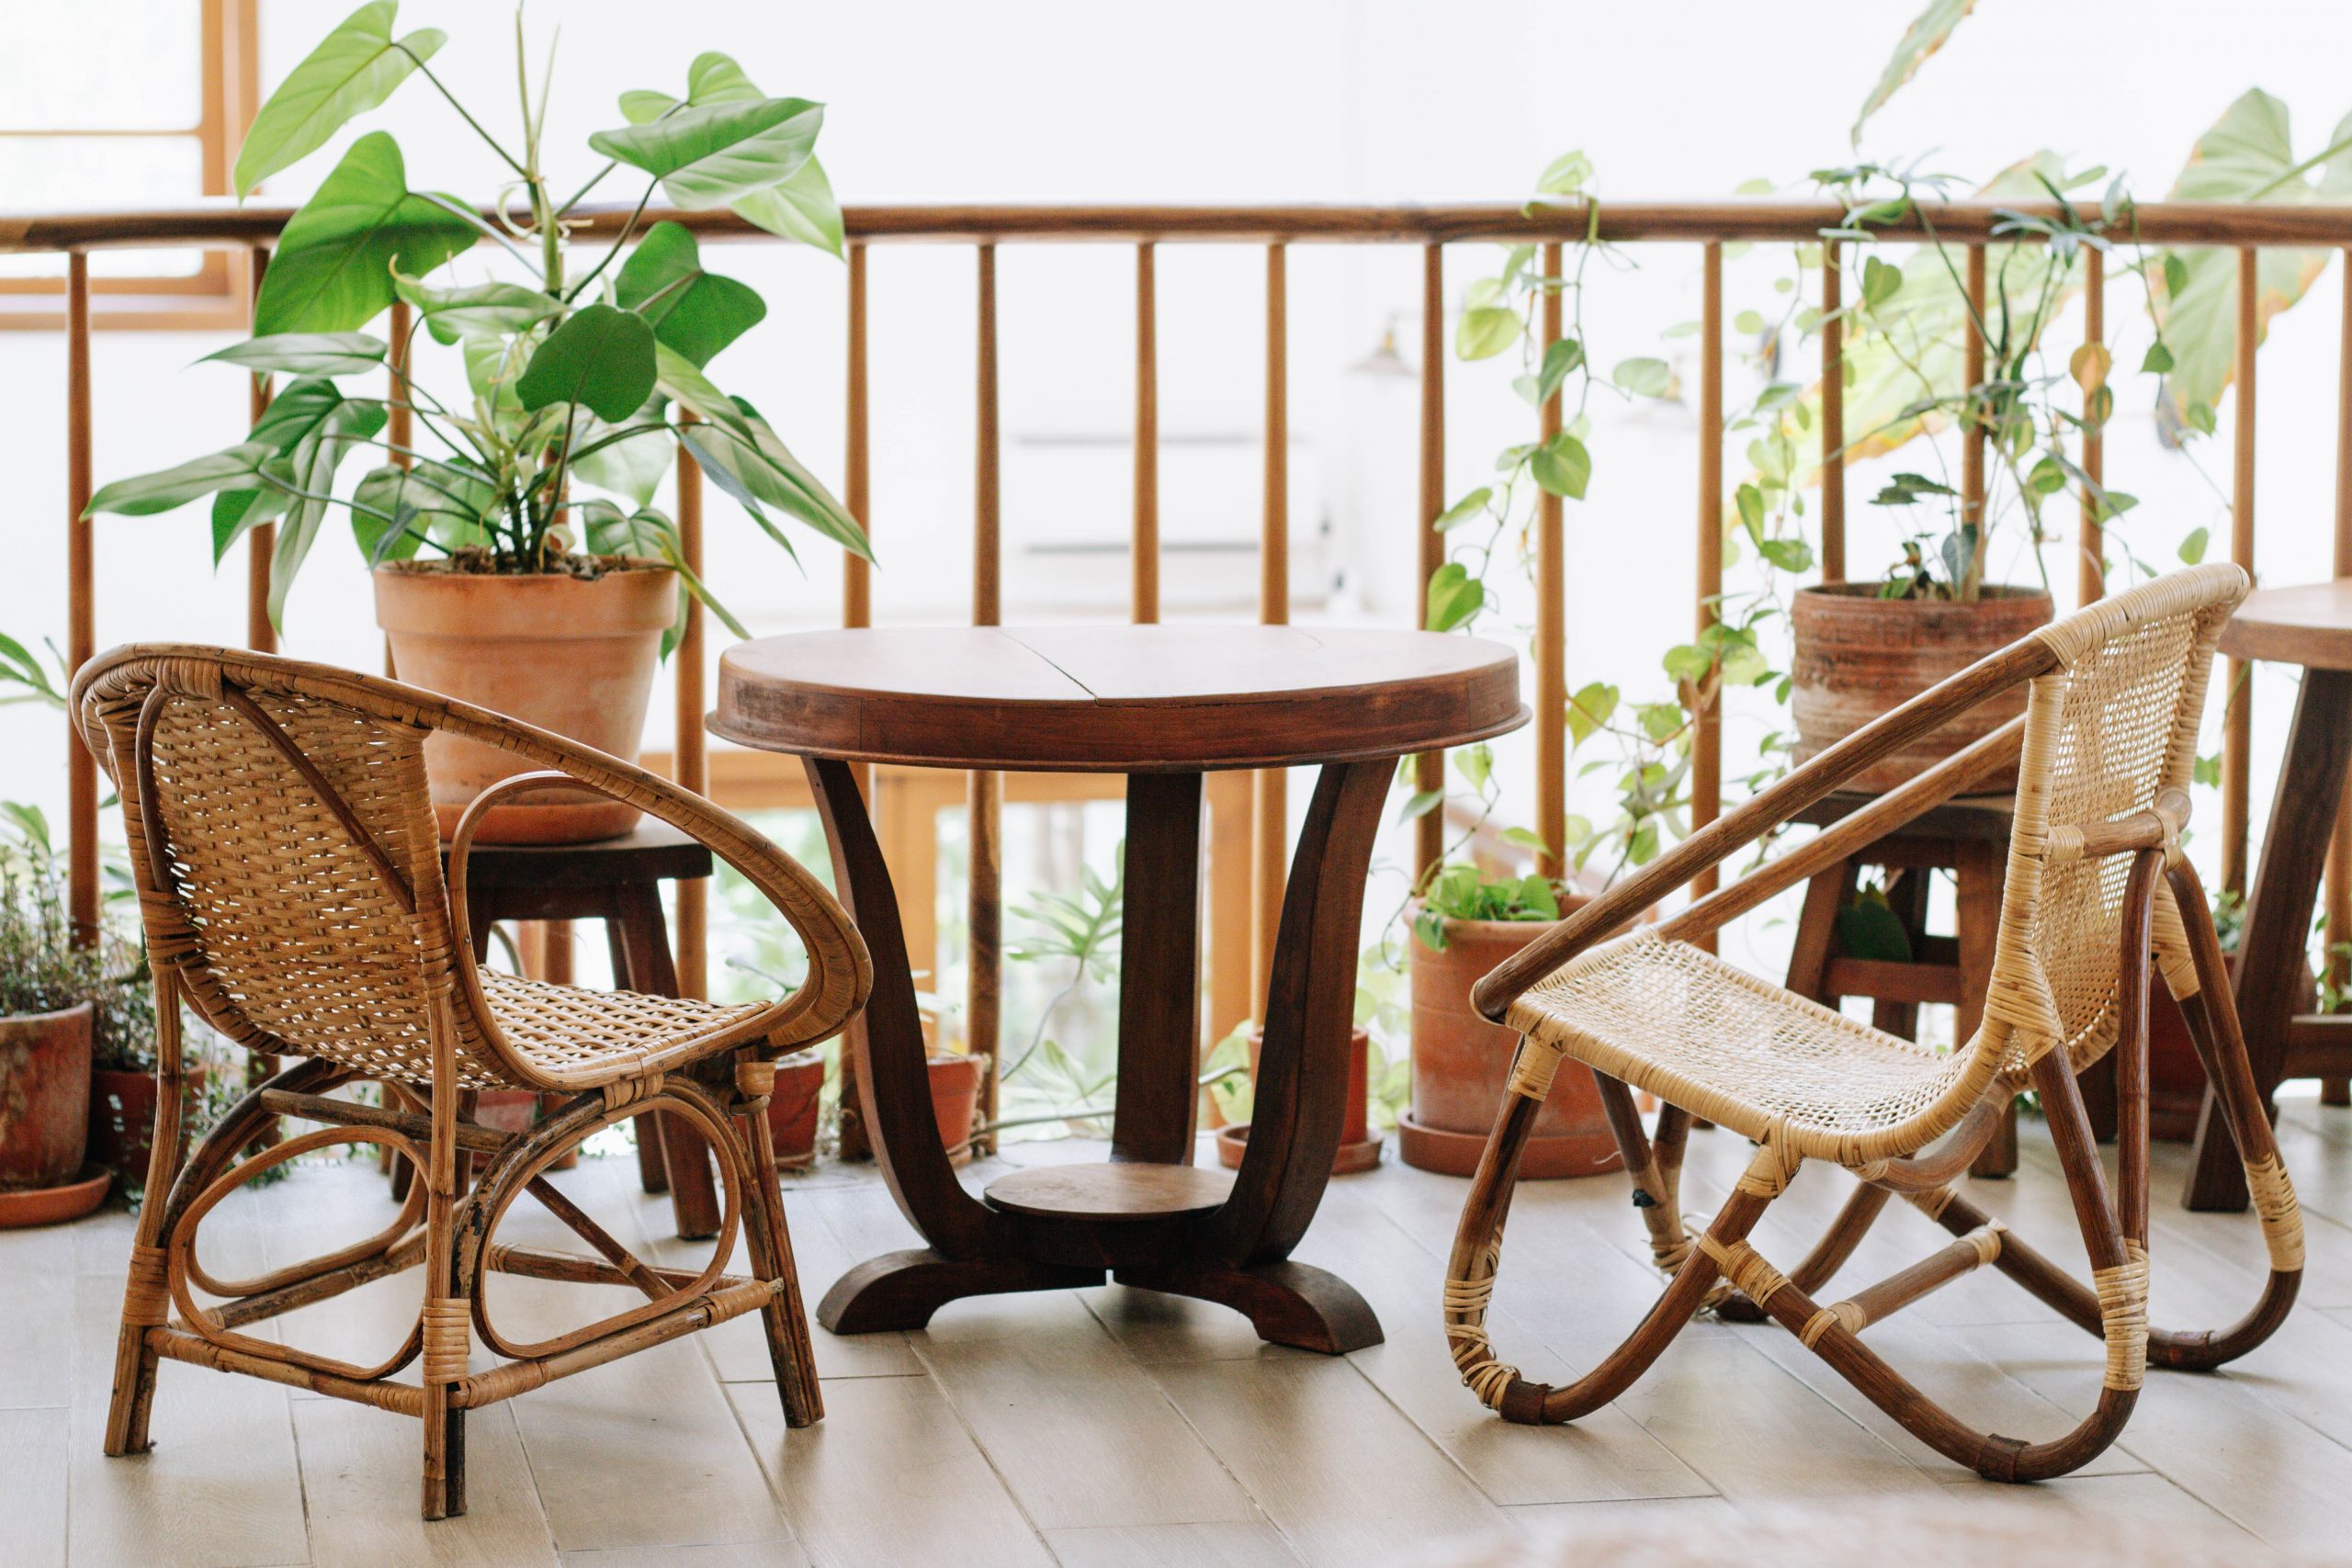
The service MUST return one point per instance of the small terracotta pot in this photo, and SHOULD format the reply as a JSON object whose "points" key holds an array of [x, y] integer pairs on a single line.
{"points": [[518, 1110], [792, 1108], [1358, 1150], [568, 654], [1461, 1063], [1859, 655], [122, 1117], [955, 1101], [44, 1096]]}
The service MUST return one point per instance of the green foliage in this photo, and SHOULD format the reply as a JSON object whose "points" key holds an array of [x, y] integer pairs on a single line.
{"points": [[572, 388], [1922, 38], [1466, 892]]}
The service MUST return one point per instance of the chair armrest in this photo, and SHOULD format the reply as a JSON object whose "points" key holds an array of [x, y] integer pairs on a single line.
{"points": [[841, 973], [1728, 834]]}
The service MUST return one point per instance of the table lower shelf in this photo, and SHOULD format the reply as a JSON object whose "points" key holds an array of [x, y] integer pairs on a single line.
{"points": [[1119, 1189]]}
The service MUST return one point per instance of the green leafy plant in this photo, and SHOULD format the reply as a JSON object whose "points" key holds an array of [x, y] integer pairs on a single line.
{"points": [[1461, 891], [581, 382]]}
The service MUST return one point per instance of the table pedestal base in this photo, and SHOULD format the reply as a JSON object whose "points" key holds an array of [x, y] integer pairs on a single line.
{"points": [[1287, 1302]]}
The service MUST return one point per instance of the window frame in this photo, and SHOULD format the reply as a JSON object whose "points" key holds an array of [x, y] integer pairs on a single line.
{"points": [[216, 296]]}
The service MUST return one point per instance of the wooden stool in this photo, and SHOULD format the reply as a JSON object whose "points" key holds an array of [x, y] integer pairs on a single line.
{"points": [[618, 881], [1968, 837]]}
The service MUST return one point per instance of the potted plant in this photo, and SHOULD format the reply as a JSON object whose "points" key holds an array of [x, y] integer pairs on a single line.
{"points": [[1464, 922], [53, 991], [1359, 1147], [518, 560]]}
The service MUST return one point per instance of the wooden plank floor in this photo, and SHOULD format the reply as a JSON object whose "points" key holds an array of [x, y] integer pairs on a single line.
{"points": [[1107, 1427]]}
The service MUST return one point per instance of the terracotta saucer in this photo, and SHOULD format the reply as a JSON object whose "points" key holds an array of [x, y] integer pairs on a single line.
{"points": [[22, 1206], [1349, 1159]]}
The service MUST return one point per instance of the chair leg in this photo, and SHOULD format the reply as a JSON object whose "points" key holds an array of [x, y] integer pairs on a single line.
{"points": [[785, 1320], [146, 1302]]}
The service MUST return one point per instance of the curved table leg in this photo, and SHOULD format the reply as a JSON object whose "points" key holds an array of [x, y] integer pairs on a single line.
{"points": [[894, 1090], [1159, 984], [1299, 1105], [2278, 919]]}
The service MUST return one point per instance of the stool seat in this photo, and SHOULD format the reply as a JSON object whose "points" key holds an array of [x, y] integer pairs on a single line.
{"points": [[1975, 818], [651, 852]]}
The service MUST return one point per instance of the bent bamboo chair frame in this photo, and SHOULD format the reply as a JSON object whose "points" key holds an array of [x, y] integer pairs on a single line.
{"points": [[289, 879], [2045, 1018]]}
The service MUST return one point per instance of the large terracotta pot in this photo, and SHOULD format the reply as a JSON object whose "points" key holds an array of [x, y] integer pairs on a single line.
{"points": [[571, 654], [44, 1096], [1461, 1063], [955, 1101], [1859, 655]]}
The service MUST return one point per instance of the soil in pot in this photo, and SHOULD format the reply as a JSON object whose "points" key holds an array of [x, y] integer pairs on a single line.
{"points": [[122, 1117], [574, 654], [1859, 655], [44, 1096], [1358, 1150], [1461, 1062]]}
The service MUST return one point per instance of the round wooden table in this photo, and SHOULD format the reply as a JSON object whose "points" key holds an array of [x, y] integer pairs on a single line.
{"points": [[1161, 704], [2309, 625]]}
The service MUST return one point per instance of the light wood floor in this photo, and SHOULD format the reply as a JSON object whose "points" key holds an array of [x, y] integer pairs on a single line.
{"points": [[1111, 1426]]}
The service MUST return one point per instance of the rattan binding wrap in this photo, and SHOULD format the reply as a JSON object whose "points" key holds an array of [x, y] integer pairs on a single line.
{"points": [[2283, 1217]]}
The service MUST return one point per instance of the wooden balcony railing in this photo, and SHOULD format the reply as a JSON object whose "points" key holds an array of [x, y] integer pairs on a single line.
{"points": [[1709, 225]]}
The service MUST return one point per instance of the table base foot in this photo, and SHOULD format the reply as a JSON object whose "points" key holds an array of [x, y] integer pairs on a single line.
{"points": [[902, 1290], [1288, 1303]]}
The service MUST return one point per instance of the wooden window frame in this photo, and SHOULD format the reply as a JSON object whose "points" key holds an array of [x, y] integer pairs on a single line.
{"points": [[215, 296]]}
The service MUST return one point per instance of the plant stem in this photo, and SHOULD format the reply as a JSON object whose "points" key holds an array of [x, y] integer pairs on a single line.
{"points": [[470, 119]]}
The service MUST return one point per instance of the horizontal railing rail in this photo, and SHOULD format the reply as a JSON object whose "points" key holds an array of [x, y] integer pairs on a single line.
{"points": [[1432, 227]]}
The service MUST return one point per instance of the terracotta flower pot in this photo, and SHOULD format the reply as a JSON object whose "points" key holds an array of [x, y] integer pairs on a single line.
{"points": [[955, 1101], [792, 1108], [122, 1117], [569, 654], [1859, 655], [44, 1096], [1358, 1150], [518, 1110], [1461, 1063]]}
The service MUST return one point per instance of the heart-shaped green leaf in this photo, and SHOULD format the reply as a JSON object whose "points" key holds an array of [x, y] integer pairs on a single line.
{"points": [[308, 353], [475, 310], [599, 358], [354, 69], [800, 207], [160, 491], [694, 311], [308, 475], [293, 416], [712, 155], [748, 460], [332, 272], [633, 467]]}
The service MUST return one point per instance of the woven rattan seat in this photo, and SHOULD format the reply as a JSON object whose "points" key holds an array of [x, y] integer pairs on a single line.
{"points": [[1668, 1018], [2096, 899], [564, 1029]]}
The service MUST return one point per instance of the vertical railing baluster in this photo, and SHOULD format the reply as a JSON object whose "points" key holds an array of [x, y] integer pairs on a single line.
{"points": [[984, 906], [1429, 768], [1971, 446], [857, 610], [2338, 904], [2090, 561], [1145, 546], [1550, 626], [400, 421], [2237, 722], [1707, 743], [81, 603], [1270, 803], [1833, 415], [691, 762], [261, 540]]}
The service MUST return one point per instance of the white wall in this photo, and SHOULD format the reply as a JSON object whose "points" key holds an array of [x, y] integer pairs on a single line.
{"points": [[1331, 100]]}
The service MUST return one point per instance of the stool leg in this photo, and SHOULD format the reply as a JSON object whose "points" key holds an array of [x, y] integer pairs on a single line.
{"points": [[1818, 932], [1906, 896], [685, 1158], [652, 1174], [1979, 875]]}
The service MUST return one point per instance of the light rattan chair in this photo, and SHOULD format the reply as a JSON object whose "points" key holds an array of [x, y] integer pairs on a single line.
{"points": [[291, 886], [2096, 883]]}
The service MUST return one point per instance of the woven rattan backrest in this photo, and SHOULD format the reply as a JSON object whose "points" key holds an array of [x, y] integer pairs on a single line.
{"points": [[2108, 732], [289, 863]]}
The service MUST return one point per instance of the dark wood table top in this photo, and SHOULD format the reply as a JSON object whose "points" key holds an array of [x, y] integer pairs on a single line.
{"points": [[1115, 698], [2309, 625]]}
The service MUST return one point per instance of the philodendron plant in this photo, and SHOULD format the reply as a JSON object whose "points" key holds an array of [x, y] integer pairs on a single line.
{"points": [[580, 386]]}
